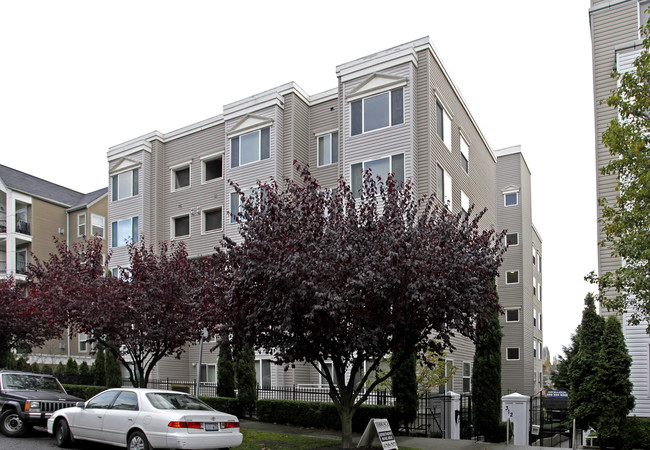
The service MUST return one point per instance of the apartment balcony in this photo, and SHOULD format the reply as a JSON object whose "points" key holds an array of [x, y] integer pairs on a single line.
{"points": [[23, 227]]}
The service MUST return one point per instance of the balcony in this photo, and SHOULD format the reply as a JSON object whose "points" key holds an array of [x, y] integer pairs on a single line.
{"points": [[23, 227]]}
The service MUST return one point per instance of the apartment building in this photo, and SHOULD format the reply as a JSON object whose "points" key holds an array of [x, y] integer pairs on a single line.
{"points": [[616, 42], [520, 281], [394, 111], [32, 212]]}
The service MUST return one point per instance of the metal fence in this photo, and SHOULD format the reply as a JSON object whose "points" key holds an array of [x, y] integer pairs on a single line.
{"points": [[434, 411]]}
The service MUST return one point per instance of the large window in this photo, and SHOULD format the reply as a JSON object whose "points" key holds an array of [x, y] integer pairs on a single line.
{"points": [[380, 168], [250, 147], [512, 315], [212, 168], [512, 353], [124, 232], [97, 225], [378, 111], [512, 239], [511, 198], [124, 185], [328, 149], [209, 373], [443, 124], [212, 220], [81, 225], [443, 188], [181, 226]]}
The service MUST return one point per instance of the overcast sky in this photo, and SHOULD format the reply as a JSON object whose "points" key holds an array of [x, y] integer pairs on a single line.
{"points": [[78, 77]]}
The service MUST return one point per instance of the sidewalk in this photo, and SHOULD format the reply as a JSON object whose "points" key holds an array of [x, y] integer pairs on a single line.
{"points": [[402, 441]]}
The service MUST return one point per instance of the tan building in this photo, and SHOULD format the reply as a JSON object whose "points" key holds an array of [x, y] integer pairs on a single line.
{"points": [[32, 212]]}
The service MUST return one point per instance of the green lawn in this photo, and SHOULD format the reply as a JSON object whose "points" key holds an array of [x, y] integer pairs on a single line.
{"points": [[264, 440]]}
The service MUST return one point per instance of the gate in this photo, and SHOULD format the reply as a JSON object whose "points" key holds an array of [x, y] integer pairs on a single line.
{"points": [[549, 419], [466, 426]]}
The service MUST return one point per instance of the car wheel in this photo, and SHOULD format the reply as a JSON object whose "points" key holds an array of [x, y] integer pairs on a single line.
{"points": [[62, 433], [11, 424], [138, 441]]}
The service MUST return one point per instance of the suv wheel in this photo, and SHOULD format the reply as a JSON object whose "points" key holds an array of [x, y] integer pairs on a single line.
{"points": [[11, 424]]}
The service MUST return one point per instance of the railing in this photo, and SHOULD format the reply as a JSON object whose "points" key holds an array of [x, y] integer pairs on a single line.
{"points": [[23, 227]]}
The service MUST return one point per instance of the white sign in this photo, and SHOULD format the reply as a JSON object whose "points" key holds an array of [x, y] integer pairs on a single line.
{"points": [[384, 433]]}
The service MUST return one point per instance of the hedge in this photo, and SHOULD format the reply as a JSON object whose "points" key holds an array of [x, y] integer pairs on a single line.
{"points": [[224, 404], [636, 433], [83, 391], [321, 415]]}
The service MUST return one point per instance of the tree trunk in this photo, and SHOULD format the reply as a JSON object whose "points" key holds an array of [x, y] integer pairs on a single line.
{"points": [[346, 427]]}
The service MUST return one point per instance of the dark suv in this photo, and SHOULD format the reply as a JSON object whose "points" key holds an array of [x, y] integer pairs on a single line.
{"points": [[29, 399]]}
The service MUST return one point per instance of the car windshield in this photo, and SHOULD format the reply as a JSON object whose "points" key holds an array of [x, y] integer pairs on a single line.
{"points": [[168, 400], [17, 381]]}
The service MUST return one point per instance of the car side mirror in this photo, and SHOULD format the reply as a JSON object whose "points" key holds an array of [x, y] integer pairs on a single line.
{"points": [[80, 405]]}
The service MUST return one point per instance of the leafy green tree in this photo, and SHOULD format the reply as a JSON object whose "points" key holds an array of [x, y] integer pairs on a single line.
{"points": [[613, 377], [625, 219], [59, 370], [84, 369], [405, 386], [583, 367], [225, 370], [246, 377], [561, 378], [99, 367], [432, 372], [71, 367], [46, 368], [486, 380], [113, 372]]}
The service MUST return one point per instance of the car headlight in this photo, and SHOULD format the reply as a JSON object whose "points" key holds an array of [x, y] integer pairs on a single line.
{"points": [[33, 406]]}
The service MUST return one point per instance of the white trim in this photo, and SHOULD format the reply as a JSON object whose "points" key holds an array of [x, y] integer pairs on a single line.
{"points": [[518, 309], [512, 271], [518, 358], [93, 215], [512, 245], [85, 224], [210, 158], [505, 194], [376, 84], [320, 133], [178, 167], [249, 124]]}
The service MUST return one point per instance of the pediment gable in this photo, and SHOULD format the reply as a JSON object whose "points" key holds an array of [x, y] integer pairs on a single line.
{"points": [[511, 188], [375, 84], [124, 164], [248, 123]]}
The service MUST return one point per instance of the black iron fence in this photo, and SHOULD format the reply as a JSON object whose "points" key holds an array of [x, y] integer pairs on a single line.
{"points": [[434, 410]]}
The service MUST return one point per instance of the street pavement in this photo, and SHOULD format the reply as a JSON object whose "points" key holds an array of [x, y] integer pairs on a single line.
{"points": [[402, 441]]}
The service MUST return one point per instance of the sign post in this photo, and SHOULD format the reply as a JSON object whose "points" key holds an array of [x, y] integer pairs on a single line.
{"points": [[385, 434]]}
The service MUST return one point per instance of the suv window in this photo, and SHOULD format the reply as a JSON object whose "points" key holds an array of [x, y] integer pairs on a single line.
{"points": [[19, 381]]}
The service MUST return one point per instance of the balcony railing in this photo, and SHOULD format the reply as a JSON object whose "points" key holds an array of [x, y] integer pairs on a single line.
{"points": [[21, 267], [23, 227]]}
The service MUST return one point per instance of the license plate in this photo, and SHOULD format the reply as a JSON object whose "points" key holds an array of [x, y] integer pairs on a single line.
{"points": [[211, 427]]}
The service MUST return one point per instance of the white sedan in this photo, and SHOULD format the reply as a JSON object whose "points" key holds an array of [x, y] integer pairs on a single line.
{"points": [[140, 419]]}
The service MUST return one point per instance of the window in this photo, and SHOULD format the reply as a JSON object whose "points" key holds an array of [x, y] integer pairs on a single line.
{"points": [[512, 239], [83, 344], [512, 353], [511, 198], [21, 261], [212, 168], [124, 232], [449, 374], [534, 258], [81, 225], [464, 154], [212, 220], [329, 368], [443, 124], [126, 401], [443, 191], [379, 111], [512, 277], [534, 286], [467, 377], [464, 201], [539, 321], [97, 224], [180, 177], [328, 149], [124, 185], [263, 373], [181, 226], [209, 373], [534, 348], [102, 401], [512, 315], [643, 15], [380, 169], [123, 272], [534, 318], [235, 207], [539, 263], [250, 147]]}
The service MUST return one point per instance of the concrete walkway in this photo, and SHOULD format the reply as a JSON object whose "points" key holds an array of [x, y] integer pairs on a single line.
{"points": [[402, 441]]}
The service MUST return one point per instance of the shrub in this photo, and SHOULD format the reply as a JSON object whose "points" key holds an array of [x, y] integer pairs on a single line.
{"points": [[224, 404], [636, 433], [320, 414], [83, 391]]}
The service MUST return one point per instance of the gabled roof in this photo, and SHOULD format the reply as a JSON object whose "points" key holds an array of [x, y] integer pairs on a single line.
{"points": [[45, 190]]}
